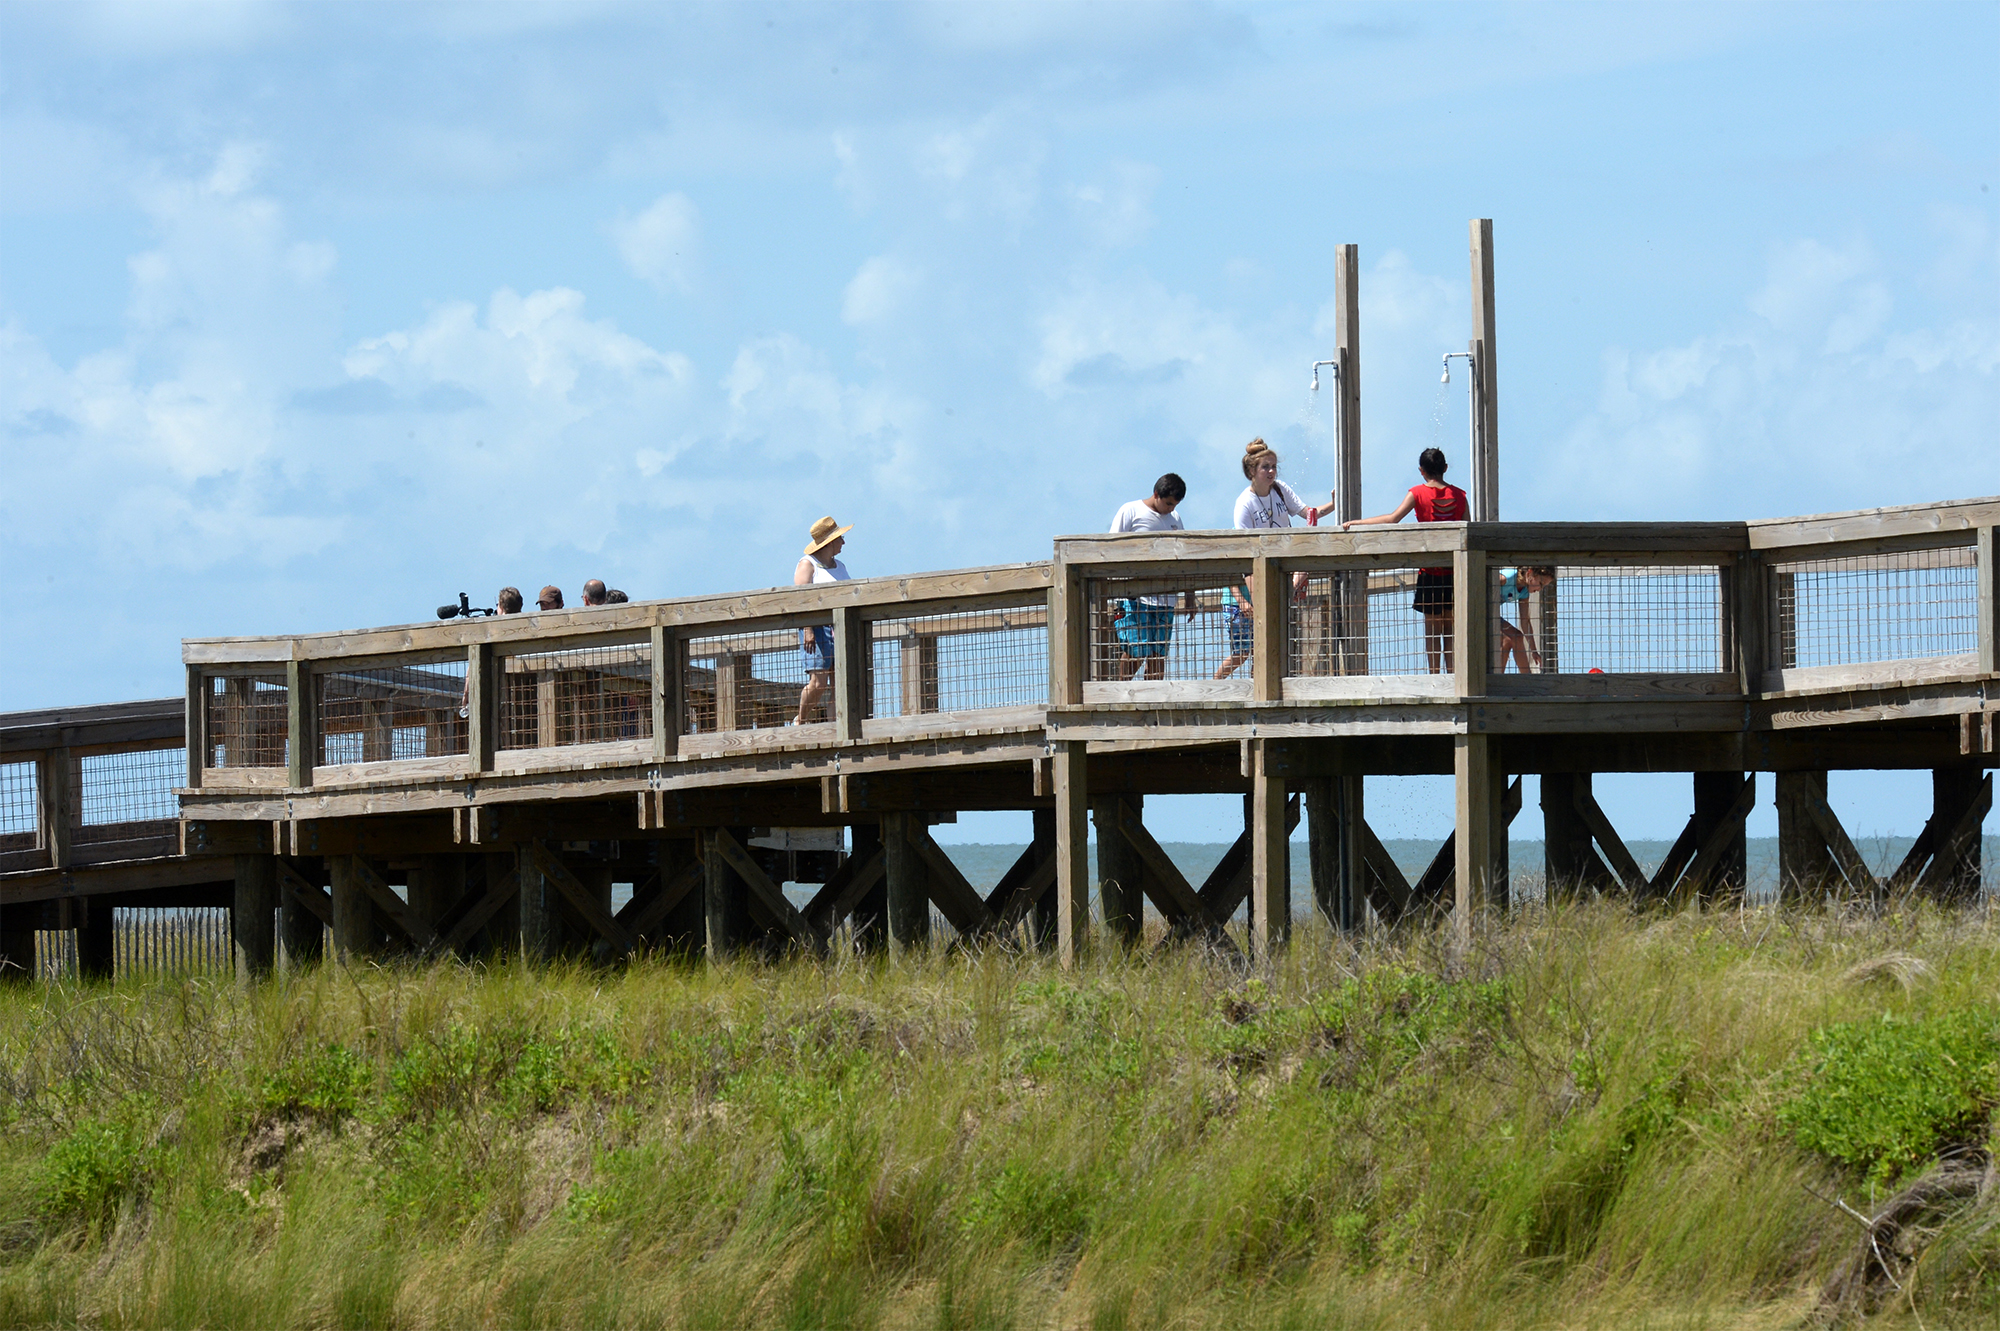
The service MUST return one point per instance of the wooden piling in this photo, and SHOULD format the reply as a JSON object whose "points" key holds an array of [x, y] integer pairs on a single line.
{"points": [[538, 926], [1072, 814], [1270, 858], [1486, 464], [1715, 794], [96, 940], [906, 878], [1805, 863], [353, 913], [1120, 870], [253, 916]]}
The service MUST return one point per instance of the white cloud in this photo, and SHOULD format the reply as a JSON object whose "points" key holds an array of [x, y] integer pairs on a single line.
{"points": [[1118, 208], [879, 290], [662, 245]]}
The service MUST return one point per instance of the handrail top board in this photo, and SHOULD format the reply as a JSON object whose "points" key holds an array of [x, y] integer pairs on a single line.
{"points": [[99, 723], [688, 612]]}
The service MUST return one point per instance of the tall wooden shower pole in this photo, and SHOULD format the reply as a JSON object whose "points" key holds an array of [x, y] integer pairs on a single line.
{"points": [[1347, 340], [1486, 462]]}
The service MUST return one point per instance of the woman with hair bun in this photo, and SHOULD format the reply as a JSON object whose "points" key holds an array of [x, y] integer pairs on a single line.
{"points": [[1265, 503]]}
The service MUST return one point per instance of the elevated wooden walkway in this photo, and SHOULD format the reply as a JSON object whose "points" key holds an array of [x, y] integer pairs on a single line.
{"points": [[504, 772]]}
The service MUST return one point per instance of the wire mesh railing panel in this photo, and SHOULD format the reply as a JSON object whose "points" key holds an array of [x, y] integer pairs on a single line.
{"points": [[959, 662], [125, 796], [247, 721], [581, 695], [393, 712], [1885, 607], [18, 815], [170, 940], [756, 681], [1656, 619], [1169, 628], [1362, 622]]}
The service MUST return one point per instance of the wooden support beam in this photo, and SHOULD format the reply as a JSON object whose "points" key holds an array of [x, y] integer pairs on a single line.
{"points": [[536, 913], [1025, 885], [1716, 796], [1835, 839], [1323, 843], [1722, 842], [253, 916], [1914, 860], [1121, 872], [1473, 783], [1679, 856], [1072, 844], [1228, 883], [957, 898], [836, 899], [1805, 865], [1608, 841], [483, 687], [1270, 845], [387, 904], [767, 893], [307, 912], [17, 942], [96, 941], [1985, 579], [1468, 623], [1271, 595], [582, 899], [1162, 879], [904, 876], [194, 730], [1440, 876], [462, 923], [353, 920], [1571, 867], [1069, 629], [1953, 874]]}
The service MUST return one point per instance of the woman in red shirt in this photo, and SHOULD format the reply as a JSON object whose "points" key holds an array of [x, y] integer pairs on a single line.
{"points": [[1434, 501]]}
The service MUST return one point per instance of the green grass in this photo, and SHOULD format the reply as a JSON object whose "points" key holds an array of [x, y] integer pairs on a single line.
{"points": [[1593, 1118]]}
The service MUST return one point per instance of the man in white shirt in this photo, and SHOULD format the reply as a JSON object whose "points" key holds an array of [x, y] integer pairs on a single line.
{"points": [[1145, 624]]}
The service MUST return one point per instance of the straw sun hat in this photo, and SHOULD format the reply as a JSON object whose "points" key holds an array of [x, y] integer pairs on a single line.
{"points": [[825, 531]]}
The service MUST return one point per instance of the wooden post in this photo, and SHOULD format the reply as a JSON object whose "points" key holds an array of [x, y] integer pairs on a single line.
{"points": [[436, 884], [1478, 804], [1805, 864], [483, 683], [1715, 794], [1571, 869], [502, 935], [1350, 793], [253, 916], [17, 942], [96, 943], [1749, 637], [906, 879], [596, 879], [1989, 618], [1783, 610], [1954, 790], [1347, 341], [1120, 892], [548, 725], [852, 646], [1270, 854], [196, 731], [1042, 916], [667, 704], [353, 913], [1468, 621], [1486, 466], [920, 673], [55, 789], [1271, 594], [301, 734], [725, 903], [300, 929], [1072, 815], [537, 910], [1322, 801], [1069, 629]]}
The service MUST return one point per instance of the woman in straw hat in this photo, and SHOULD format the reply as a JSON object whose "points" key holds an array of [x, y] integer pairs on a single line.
{"points": [[821, 563]]}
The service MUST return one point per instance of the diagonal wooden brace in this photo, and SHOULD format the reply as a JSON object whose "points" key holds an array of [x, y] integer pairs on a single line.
{"points": [[471, 914], [1719, 840], [1388, 891], [1615, 853], [1229, 882], [837, 898], [555, 872], [765, 892], [310, 895], [1163, 881], [1959, 841], [640, 919], [957, 898], [1032, 873], [1852, 866], [1679, 855], [389, 903], [1441, 874]]}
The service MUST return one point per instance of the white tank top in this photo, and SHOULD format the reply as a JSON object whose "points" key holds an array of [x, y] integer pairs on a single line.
{"points": [[821, 573]]}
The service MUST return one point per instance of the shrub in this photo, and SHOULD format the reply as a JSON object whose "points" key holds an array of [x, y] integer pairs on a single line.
{"points": [[90, 1173], [1884, 1096], [326, 1086]]}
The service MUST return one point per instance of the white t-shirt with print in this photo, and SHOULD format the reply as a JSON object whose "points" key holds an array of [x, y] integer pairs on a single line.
{"points": [[1255, 512]]}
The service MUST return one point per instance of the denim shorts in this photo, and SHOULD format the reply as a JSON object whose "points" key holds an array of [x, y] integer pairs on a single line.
{"points": [[818, 649], [1242, 630]]}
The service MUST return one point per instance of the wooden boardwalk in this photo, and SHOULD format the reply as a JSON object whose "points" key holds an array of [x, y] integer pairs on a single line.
{"points": [[481, 785]]}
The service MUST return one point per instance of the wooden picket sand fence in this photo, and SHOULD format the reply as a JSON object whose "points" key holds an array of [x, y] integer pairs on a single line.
{"points": [[481, 785]]}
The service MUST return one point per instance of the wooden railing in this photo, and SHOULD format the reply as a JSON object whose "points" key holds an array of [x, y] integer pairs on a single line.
{"points": [[90, 785], [1636, 611]]}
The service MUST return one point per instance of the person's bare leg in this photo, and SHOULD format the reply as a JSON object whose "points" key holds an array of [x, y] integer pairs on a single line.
{"points": [[1156, 667], [818, 684], [1445, 620], [1228, 666]]}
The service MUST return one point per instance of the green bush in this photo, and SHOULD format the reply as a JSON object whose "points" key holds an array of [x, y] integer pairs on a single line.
{"points": [[1038, 1208], [93, 1170], [1884, 1096], [326, 1086]]}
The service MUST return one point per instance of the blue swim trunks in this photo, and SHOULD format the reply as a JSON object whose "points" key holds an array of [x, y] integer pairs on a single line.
{"points": [[1242, 630], [1144, 630], [818, 650]]}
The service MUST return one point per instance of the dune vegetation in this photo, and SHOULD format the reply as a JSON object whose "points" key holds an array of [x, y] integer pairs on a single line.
{"points": [[1590, 1118]]}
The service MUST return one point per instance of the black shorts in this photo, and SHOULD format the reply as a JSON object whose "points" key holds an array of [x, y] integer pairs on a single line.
{"points": [[1433, 593]]}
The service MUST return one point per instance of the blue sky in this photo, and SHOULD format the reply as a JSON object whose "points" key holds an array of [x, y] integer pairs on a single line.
{"points": [[311, 316]]}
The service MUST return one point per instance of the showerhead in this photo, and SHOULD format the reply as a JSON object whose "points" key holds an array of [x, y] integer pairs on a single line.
{"points": [[1315, 382], [1445, 378]]}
